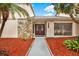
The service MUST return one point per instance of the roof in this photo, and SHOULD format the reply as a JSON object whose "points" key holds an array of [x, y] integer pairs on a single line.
{"points": [[42, 18]]}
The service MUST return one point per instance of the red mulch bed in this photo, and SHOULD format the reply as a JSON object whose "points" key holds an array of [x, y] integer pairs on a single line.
{"points": [[57, 47], [15, 46]]}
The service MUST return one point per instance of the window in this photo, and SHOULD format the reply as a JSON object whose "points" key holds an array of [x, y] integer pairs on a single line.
{"points": [[63, 29]]}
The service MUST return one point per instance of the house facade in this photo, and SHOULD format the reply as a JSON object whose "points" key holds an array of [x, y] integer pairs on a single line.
{"points": [[11, 29], [40, 26], [54, 27]]}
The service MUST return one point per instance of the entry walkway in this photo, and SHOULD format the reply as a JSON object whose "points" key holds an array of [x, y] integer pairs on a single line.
{"points": [[39, 48]]}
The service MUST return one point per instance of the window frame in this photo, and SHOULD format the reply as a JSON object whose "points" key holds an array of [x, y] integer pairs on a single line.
{"points": [[64, 23]]}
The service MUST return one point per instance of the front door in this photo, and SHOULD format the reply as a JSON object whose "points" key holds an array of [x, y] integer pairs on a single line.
{"points": [[39, 29]]}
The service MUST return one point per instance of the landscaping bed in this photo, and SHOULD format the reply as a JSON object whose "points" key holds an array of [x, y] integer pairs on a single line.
{"points": [[15, 46], [58, 48]]}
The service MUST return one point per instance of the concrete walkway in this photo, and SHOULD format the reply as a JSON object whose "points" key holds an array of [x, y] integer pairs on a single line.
{"points": [[39, 48]]}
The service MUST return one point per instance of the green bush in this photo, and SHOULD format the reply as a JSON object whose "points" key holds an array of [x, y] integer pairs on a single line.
{"points": [[68, 44], [78, 40], [72, 44]]}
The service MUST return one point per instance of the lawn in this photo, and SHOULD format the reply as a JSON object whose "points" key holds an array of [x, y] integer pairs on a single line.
{"points": [[15, 46], [57, 47]]}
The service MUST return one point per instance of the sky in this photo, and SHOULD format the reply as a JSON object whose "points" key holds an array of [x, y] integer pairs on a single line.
{"points": [[43, 9]]}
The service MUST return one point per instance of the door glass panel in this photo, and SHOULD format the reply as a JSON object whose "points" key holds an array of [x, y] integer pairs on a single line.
{"points": [[39, 29]]}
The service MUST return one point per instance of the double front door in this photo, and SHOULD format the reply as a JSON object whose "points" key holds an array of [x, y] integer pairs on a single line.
{"points": [[39, 29]]}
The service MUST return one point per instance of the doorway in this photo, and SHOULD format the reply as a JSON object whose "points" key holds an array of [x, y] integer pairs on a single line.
{"points": [[39, 29]]}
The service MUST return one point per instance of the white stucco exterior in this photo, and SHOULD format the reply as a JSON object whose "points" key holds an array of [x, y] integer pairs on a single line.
{"points": [[50, 31], [10, 29], [49, 23], [11, 26]]}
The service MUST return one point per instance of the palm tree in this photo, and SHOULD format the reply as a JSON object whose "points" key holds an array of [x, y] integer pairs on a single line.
{"points": [[67, 8], [9, 8]]}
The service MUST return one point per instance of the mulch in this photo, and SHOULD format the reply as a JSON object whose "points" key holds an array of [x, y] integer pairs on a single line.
{"points": [[15, 46], [57, 47]]}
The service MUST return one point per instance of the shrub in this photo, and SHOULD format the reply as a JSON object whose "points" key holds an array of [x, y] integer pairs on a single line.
{"points": [[72, 44], [68, 44]]}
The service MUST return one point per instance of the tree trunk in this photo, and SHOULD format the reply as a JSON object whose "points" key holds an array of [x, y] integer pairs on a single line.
{"points": [[5, 15], [2, 27], [76, 21]]}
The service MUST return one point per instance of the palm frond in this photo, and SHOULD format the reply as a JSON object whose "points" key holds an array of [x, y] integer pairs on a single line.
{"points": [[20, 10], [63, 7], [13, 8]]}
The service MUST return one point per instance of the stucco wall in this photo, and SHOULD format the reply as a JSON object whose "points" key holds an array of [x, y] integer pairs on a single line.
{"points": [[77, 28], [10, 29], [74, 29], [50, 30]]}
